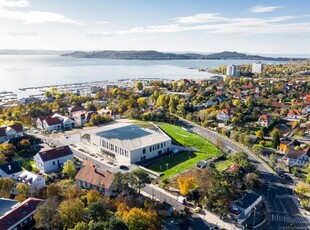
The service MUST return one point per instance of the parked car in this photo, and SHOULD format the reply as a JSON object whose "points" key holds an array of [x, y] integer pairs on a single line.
{"points": [[201, 164], [181, 199], [123, 167], [287, 178]]}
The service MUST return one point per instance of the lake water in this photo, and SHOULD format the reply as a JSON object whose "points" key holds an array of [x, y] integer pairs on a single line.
{"points": [[20, 71]]}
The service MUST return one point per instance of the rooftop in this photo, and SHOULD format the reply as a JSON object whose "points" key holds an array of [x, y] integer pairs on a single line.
{"points": [[55, 153], [95, 176], [247, 199], [129, 136], [6, 205], [11, 167]]}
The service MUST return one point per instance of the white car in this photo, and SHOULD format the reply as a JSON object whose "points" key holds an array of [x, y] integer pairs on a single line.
{"points": [[181, 199]]}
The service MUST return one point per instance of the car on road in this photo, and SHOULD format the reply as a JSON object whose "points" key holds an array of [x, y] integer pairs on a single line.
{"points": [[197, 209], [181, 199], [123, 167], [287, 178], [201, 164]]}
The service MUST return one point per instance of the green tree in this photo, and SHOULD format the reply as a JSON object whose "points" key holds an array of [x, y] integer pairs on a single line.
{"points": [[121, 183], [45, 213], [139, 179], [69, 169], [273, 160], [276, 135], [139, 85], [6, 185], [71, 212], [116, 224], [98, 211]]}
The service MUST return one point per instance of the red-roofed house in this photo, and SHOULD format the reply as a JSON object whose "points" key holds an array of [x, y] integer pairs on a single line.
{"points": [[49, 123], [264, 120], [307, 98], [21, 216], [224, 115], [73, 110], [11, 131], [293, 114], [90, 177], [53, 160], [297, 157]]}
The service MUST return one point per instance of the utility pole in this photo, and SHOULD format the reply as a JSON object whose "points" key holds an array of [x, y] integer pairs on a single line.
{"points": [[254, 217]]}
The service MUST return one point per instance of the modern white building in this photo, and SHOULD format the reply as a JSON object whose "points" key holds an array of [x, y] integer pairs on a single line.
{"points": [[129, 143], [257, 67], [231, 70], [53, 160], [35, 181]]}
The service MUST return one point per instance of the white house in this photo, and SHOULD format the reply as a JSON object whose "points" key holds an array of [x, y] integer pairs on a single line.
{"points": [[293, 114], [11, 170], [90, 177], [53, 160], [82, 117], [11, 131], [35, 181], [264, 120], [109, 112], [297, 157], [67, 123], [224, 115], [49, 123], [129, 143], [242, 207]]}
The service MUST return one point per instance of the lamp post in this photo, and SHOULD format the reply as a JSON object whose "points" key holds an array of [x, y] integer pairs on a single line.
{"points": [[254, 217]]}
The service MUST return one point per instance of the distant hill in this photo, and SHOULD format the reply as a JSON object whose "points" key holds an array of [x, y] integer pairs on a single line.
{"points": [[155, 55], [30, 52]]}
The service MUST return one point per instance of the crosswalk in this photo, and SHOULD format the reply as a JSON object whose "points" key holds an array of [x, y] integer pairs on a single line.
{"points": [[294, 220]]}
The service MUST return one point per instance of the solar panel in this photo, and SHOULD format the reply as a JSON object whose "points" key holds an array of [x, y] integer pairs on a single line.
{"points": [[129, 132]]}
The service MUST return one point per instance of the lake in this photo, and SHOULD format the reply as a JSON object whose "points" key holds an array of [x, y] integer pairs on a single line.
{"points": [[20, 71]]}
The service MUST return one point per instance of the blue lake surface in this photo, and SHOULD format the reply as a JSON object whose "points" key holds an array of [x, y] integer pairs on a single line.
{"points": [[20, 71]]}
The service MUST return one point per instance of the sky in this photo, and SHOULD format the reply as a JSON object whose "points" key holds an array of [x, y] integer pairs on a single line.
{"points": [[250, 26]]}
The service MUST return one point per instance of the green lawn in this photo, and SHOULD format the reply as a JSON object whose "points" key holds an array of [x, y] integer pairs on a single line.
{"points": [[174, 164], [221, 165]]}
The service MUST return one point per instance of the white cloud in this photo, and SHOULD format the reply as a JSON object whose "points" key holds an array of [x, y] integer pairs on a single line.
{"points": [[36, 17], [263, 9], [212, 23], [14, 3], [199, 18], [103, 22]]}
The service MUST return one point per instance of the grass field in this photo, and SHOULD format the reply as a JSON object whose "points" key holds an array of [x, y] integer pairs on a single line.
{"points": [[174, 164], [221, 165]]}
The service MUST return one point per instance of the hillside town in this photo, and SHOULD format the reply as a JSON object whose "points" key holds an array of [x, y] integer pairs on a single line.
{"points": [[227, 152]]}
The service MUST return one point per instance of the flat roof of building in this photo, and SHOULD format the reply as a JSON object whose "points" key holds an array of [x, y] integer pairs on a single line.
{"points": [[6, 205], [129, 136]]}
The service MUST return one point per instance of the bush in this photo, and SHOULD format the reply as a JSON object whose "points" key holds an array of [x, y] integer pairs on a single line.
{"points": [[305, 203]]}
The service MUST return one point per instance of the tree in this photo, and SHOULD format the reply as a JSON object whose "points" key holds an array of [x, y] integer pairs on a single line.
{"points": [[139, 85], [302, 189], [273, 160], [121, 183], [7, 149], [116, 224], [276, 135], [45, 213], [93, 196], [6, 185], [71, 212], [252, 181], [260, 134], [142, 102], [53, 190], [185, 184], [69, 169], [22, 188], [138, 218], [139, 179], [97, 211], [25, 144]]}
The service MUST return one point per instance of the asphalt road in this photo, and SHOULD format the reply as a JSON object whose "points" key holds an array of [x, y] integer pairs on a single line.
{"points": [[284, 210]]}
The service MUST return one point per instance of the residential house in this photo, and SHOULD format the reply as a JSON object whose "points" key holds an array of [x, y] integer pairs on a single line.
{"points": [[264, 120], [109, 112], [278, 104], [11, 131], [297, 157], [53, 160], [82, 117], [11, 170], [90, 177], [224, 115], [293, 114], [286, 144], [67, 123], [49, 123], [75, 109], [243, 206], [20, 216], [35, 181]]}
